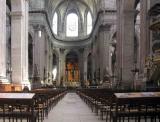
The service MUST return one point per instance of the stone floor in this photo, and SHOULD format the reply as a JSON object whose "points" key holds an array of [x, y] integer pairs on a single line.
{"points": [[72, 109]]}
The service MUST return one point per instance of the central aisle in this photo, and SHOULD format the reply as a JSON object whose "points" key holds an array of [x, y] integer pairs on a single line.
{"points": [[72, 109]]}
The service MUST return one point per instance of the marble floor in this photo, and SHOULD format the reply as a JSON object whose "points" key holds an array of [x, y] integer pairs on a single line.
{"points": [[72, 109]]}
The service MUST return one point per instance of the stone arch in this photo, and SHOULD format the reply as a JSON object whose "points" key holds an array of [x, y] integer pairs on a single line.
{"points": [[95, 9], [78, 13], [59, 20], [72, 50], [63, 1], [72, 70], [85, 20], [74, 8]]}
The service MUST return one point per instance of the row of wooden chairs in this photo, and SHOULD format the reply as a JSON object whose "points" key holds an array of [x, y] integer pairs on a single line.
{"points": [[104, 103], [23, 110], [46, 99], [99, 100]]}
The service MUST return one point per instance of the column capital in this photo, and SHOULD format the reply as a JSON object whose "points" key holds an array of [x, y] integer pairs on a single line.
{"points": [[105, 27], [38, 27], [61, 50], [16, 14]]}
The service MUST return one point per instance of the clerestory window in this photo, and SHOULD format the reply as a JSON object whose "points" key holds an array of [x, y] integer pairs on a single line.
{"points": [[55, 23], [89, 23], [72, 25]]}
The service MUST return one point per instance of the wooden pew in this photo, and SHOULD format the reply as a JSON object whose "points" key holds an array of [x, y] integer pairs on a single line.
{"points": [[137, 106], [14, 106], [46, 98], [98, 99]]}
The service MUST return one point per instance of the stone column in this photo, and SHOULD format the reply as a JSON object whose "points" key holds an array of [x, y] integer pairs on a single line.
{"points": [[94, 62], [36, 72], [46, 59], [3, 78], [125, 44], [39, 53], [101, 53], [85, 68], [62, 67], [107, 56], [58, 68], [119, 43], [49, 62], [25, 44], [104, 47], [144, 35], [85, 60], [81, 66], [127, 47], [97, 57], [19, 36]]}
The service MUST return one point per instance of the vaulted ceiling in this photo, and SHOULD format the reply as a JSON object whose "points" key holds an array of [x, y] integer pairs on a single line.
{"points": [[81, 5], [90, 3]]}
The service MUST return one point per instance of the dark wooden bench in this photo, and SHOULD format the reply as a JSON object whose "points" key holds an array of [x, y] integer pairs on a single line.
{"points": [[19, 115], [46, 99], [137, 106], [14, 106], [98, 99]]}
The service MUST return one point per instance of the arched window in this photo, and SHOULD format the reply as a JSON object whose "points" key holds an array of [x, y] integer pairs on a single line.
{"points": [[138, 19], [89, 23], [55, 23], [72, 25]]}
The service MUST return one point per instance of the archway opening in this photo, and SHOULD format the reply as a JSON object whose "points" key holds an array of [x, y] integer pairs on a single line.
{"points": [[89, 69], [54, 69], [30, 57], [113, 52], [72, 70]]}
